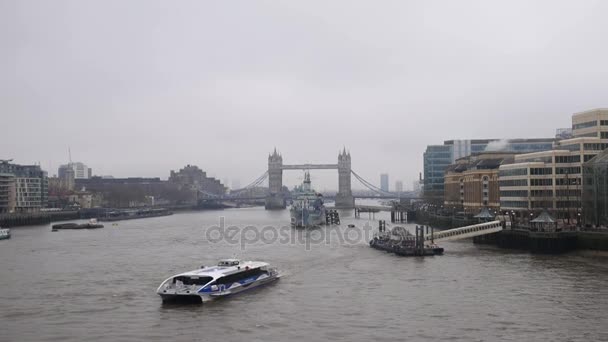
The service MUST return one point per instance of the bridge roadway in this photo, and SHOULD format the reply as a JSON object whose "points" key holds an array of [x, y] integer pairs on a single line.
{"points": [[373, 208], [245, 198], [310, 167]]}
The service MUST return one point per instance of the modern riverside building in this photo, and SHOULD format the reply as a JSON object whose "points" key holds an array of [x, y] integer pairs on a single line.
{"points": [[7, 193], [471, 183], [23, 188], [549, 180], [591, 123], [595, 190], [438, 157]]}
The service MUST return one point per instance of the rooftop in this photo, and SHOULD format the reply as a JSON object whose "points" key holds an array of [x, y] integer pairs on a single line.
{"points": [[590, 111]]}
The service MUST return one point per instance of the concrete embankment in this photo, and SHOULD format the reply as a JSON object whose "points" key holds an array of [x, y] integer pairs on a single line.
{"points": [[545, 242], [597, 241], [28, 219]]}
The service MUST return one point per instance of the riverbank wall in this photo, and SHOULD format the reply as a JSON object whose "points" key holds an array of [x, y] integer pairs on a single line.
{"points": [[523, 238]]}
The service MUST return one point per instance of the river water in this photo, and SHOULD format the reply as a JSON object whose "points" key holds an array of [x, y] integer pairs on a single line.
{"points": [[99, 285]]}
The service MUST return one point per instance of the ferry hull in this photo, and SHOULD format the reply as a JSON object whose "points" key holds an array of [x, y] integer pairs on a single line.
{"points": [[5, 234], [203, 297], [307, 218]]}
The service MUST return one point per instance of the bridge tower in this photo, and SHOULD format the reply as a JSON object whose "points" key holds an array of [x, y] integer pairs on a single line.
{"points": [[344, 197], [275, 199]]}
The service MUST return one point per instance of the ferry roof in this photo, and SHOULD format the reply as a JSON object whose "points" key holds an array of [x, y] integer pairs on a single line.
{"points": [[220, 271]]}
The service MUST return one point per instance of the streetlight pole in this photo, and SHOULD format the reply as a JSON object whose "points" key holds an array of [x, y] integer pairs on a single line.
{"points": [[568, 197]]}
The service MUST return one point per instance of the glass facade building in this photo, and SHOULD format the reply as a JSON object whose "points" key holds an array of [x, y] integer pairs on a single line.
{"points": [[595, 190], [384, 182], [438, 157]]}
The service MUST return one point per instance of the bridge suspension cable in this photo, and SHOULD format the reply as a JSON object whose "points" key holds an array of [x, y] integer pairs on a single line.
{"points": [[253, 184], [257, 182], [371, 186]]}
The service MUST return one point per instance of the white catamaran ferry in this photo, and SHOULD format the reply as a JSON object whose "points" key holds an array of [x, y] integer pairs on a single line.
{"points": [[230, 276], [5, 234]]}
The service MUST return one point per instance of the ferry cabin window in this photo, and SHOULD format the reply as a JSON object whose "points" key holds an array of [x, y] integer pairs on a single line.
{"points": [[192, 280], [239, 276], [228, 263]]}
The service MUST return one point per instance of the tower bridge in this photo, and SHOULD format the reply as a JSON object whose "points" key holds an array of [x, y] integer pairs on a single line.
{"points": [[276, 199]]}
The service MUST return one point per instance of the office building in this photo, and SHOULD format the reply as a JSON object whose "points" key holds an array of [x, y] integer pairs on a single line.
{"points": [[595, 190], [471, 183], [7, 193], [81, 171], [591, 123], [384, 182], [398, 186], [67, 178], [23, 188], [438, 157], [549, 180]]}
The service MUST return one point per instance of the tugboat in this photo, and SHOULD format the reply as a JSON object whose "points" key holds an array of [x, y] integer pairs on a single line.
{"points": [[307, 209], [230, 276], [5, 234]]}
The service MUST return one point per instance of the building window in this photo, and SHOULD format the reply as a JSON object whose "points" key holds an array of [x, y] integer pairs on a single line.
{"points": [[541, 193], [514, 193], [513, 172], [514, 204], [541, 171], [541, 182], [595, 146], [584, 124], [567, 181], [567, 170], [514, 182], [567, 159]]}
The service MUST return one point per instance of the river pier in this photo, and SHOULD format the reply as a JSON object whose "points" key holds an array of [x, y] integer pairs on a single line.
{"points": [[546, 242]]}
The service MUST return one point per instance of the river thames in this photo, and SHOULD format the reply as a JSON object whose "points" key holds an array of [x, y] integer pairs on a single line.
{"points": [[100, 285]]}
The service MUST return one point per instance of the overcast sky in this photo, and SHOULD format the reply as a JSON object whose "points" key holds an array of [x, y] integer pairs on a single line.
{"points": [[137, 88]]}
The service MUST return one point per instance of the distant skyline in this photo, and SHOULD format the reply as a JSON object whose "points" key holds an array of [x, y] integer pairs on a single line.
{"points": [[142, 87]]}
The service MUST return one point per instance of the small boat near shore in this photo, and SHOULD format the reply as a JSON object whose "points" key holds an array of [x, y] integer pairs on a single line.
{"points": [[92, 224], [5, 233], [230, 276], [403, 243]]}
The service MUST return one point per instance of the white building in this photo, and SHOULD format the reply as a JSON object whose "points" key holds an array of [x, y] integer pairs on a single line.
{"points": [[81, 171]]}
